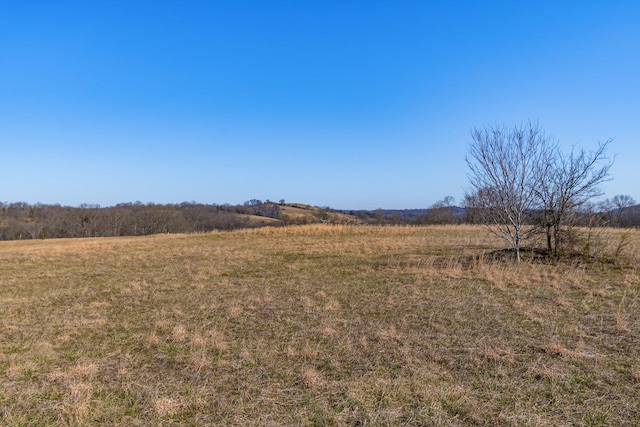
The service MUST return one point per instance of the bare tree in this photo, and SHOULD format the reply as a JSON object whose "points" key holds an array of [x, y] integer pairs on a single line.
{"points": [[34, 229], [503, 165], [606, 209], [621, 202], [519, 177], [441, 212], [114, 221], [564, 184]]}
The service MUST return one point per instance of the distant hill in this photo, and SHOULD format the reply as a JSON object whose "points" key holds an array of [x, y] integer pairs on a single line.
{"points": [[24, 221]]}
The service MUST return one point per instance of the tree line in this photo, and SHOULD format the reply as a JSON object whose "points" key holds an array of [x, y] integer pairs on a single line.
{"points": [[38, 221], [32, 221]]}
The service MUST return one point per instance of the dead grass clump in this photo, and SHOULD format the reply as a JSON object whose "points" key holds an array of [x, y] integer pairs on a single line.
{"points": [[306, 302], [309, 352], [18, 370], [79, 372], [85, 371], [290, 353], [235, 311], [622, 324], [77, 401], [389, 334], [497, 354], [215, 340], [179, 334], [331, 305], [162, 324], [199, 360], [328, 332], [165, 407], [555, 349], [152, 339], [544, 372], [311, 378]]}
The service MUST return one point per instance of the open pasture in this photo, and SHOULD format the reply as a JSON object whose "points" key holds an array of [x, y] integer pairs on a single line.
{"points": [[315, 325]]}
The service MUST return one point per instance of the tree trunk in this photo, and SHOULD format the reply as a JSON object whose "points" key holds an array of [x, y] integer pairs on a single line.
{"points": [[516, 246], [556, 238]]}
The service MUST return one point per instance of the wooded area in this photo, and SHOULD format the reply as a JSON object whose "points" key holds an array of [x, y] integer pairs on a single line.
{"points": [[38, 221], [26, 221]]}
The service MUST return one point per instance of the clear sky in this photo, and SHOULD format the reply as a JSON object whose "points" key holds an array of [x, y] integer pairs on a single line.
{"points": [[347, 104]]}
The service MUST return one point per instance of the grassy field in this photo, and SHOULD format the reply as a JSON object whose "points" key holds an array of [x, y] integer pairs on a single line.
{"points": [[315, 325]]}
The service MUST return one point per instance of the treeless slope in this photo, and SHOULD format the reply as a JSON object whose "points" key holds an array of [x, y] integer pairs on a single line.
{"points": [[311, 214], [263, 220], [297, 211]]}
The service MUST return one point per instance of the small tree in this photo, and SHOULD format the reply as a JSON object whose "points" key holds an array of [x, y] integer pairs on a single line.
{"points": [[503, 165], [621, 202], [441, 212], [564, 184], [523, 184]]}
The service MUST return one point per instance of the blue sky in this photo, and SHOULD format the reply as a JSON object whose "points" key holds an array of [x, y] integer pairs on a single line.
{"points": [[347, 104]]}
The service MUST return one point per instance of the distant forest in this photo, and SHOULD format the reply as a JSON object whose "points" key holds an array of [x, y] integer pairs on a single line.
{"points": [[38, 221], [26, 221]]}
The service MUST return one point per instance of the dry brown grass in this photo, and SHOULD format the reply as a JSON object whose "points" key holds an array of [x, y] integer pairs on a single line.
{"points": [[263, 220], [315, 325]]}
